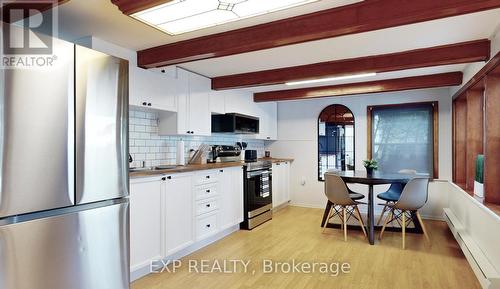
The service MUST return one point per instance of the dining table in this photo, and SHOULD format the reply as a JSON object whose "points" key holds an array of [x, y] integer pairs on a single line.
{"points": [[375, 178]]}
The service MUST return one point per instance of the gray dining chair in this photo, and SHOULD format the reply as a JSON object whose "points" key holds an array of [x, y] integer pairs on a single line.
{"points": [[414, 196], [393, 194], [343, 205]]}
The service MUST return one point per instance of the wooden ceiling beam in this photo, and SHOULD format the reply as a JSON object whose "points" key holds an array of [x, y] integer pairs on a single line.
{"points": [[472, 51], [359, 17], [398, 84], [128, 7]]}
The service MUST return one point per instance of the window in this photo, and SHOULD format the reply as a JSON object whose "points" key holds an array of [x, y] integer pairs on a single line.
{"points": [[335, 139], [404, 136]]}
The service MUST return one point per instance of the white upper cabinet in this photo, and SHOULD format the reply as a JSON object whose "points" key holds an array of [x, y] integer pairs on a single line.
{"points": [[268, 121], [152, 90], [193, 116]]}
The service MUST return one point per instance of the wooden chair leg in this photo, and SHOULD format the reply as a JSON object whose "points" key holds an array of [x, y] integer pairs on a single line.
{"points": [[382, 215], [329, 216], [403, 226], [389, 216], [344, 220], [361, 223], [423, 227]]}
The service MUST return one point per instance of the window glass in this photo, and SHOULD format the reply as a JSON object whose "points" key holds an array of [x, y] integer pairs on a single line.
{"points": [[335, 139]]}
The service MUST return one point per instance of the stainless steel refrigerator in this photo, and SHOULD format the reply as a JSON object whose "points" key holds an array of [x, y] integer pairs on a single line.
{"points": [[64, 212]]}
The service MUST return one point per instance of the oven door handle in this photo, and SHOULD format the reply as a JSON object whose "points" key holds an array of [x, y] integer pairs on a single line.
{"points": [[257, 173]]}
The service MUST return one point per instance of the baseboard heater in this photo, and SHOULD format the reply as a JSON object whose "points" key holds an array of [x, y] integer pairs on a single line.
{"points": [[484, 270]]}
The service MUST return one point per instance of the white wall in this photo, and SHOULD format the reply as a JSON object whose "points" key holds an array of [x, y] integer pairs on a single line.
{"points": [[297, 134]]}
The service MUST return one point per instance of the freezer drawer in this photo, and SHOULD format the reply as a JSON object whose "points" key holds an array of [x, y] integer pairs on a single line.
{"points": [[81, 250], [101, 126], [37, 135]]}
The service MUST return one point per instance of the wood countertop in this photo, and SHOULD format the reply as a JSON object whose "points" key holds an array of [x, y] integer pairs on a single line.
{"points": [[193, 168]]}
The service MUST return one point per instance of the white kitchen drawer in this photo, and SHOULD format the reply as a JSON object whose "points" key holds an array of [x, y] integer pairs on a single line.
{"points": [[206, 206], [205, 177], [206, 225], [206, 191]]}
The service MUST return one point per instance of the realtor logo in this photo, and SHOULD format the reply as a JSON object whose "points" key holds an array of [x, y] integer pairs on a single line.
{"points": [[27, 14], [22, 47]]}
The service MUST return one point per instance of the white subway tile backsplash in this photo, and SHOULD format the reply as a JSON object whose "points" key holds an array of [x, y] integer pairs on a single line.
{"points": [[146, 145]]}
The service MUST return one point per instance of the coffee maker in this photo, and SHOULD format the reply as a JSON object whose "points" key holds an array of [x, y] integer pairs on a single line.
{"points": [[224, 153]]}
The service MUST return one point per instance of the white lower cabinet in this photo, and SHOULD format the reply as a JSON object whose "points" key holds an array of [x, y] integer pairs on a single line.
{"points": [[281, 183], [177, 213], [145, 222], [174, 212], [231, 196]]}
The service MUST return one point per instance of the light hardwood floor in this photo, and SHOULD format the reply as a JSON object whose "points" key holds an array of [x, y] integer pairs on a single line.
{"points": [[294, 233]]}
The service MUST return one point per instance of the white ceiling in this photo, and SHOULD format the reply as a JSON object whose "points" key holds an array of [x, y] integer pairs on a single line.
{"points": [[420, 35], [380, 76], [102, 19]]}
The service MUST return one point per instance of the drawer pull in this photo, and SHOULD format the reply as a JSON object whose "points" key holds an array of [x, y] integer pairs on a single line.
{"points": [[208, 205], [207, 225], [208, 177], [208, 191]]}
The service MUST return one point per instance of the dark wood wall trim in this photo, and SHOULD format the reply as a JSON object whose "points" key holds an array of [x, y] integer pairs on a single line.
{"points": [[128, 7], [474, 131], [460, 154], [491, 65], [360, 17], [407, 83], [492, 143], [435, 129], [471, 51]]}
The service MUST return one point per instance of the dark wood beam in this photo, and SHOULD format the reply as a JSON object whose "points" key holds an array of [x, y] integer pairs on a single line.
{"points": [[465, 52], [407, 83], [128, 7], [360, 17], [29, 8], [491, 65]]}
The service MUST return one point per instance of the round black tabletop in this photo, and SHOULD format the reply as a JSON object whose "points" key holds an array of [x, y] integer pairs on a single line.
{"points": [[376, 178]]}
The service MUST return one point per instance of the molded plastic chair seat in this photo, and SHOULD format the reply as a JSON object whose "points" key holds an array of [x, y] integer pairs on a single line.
{"points": [[355, 196]]}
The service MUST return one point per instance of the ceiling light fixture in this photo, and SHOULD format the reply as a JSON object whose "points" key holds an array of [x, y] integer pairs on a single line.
{"points": [[331, 78], [181, 16]]}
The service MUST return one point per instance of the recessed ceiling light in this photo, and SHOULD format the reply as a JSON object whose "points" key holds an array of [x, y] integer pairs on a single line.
{"points": [[331, 78], [181, 16]]}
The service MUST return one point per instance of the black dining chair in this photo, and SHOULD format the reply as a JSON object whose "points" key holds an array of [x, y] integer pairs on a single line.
{"points": [[393, 194]]}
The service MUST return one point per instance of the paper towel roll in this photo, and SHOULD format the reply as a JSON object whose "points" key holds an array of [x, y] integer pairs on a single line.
{"points": [[181, 156]]}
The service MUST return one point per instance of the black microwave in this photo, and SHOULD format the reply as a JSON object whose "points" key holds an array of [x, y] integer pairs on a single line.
{"points": [[235, 123]]}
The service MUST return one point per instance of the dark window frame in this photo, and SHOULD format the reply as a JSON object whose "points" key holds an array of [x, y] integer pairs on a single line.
{"points": [[317, 137], [435, 129]]}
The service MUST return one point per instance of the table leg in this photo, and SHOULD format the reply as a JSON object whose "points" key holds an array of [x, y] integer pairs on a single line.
{"points": [[371, 217], [325, 214]]}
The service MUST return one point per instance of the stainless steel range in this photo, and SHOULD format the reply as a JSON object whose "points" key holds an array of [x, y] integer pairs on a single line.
{"points": [[257, 193]]}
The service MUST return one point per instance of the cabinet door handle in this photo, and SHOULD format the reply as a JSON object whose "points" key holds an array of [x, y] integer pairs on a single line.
{"points": [[268, 137], [149, 104], [163, 179], [144, 103], [208, 191], [221, 171], [208, 177], [169, 177], [208, 205], [208, 225]]}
